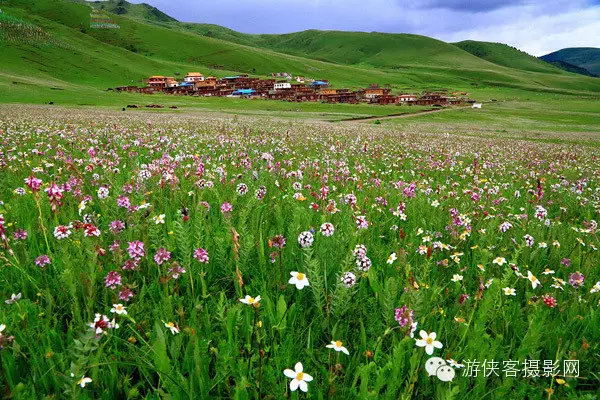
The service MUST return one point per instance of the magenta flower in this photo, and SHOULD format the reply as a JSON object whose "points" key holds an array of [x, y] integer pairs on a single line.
{"points": [[125, 294], [162, 255], [20, 234], [33, 183], [404, 316], [226, 208], [201, 255], [136, 249], [123, 201], [112, 280], [42, 261], [576, 279], [116, 227]]}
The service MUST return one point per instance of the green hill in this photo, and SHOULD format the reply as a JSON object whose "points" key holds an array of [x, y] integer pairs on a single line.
{"points": [[507, 56], [55, 48], [571, 68], [583, 57]]}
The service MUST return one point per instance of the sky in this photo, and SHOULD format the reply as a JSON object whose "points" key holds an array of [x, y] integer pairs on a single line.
{"points": [[537, 27]]}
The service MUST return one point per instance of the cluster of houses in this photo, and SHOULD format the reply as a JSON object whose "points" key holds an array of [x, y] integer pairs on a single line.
{"points": [[196, 84]]}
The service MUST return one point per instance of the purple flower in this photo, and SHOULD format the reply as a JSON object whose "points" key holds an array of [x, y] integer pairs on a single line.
{"points": [[125, 294], [576, 279], [404, 316], [566, 262], [116, 227], [136, 249], [112, 280], [201, 255], [162, 255], [226, 208], [175, 271], [42, 261], [20, 234]]}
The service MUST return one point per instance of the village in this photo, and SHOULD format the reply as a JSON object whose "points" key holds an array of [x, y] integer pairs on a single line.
{"points": [[298, 89]]}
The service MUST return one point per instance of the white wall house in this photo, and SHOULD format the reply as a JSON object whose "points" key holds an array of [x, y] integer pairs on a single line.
{"points": [[407, 97], [193, 77], [282, 85], [476, 105]]}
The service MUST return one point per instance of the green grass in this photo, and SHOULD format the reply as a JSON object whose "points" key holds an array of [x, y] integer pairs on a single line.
{"points": [[584, 57], [226, 349]]}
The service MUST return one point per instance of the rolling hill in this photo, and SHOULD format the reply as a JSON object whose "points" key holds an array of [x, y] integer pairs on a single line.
{"points": [[507, 56], [72, 55], [583, 57]]}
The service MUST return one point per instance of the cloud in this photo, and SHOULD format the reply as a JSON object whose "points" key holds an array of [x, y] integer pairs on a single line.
{"points": [[535, 26]]}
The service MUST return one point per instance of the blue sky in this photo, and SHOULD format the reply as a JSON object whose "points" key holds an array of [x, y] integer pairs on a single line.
{"points": [[535, 26]]}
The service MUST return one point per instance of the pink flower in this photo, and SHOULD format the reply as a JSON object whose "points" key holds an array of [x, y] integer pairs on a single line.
{"points": [[90, 230], [42, 261], [112, 280], [136, 249], [33, 183], [162, 255], [201, 255], [125, 294], [116, 227], [226, 208], [404, 316], [123, 201]]}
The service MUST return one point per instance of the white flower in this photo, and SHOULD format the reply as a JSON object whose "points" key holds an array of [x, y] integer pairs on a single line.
{"points": [[596, 288], [509, 291], [13, 298], [337, 346], [327, 229], [251, 301], [159, 219], [499, 260], [392, 258], [118, 309], [174, 329], [81, 206], [455, 364], [428, 341], [305, 239], [534, 281], [457, 278], [299, 279], [84, 381], [298, 377], [2, 328]]}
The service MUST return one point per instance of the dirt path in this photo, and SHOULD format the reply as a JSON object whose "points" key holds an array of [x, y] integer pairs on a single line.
{"points": [[405, 115]]}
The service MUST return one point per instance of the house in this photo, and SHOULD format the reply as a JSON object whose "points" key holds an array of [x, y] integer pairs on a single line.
{"points": [[374, 91], [171, 82], [193, 77], [282, 85], [157, 81], [476, 105], [404, 98], [320, 84], [243, 92]]}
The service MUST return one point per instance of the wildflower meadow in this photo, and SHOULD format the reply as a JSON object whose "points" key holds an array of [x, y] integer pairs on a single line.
{"points": [[170, 256]]}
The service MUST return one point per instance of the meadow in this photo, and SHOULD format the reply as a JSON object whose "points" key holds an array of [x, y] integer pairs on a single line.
{"points": [[176, 255]]}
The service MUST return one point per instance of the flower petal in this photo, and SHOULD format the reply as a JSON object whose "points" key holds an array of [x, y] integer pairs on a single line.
{"points": [[298, 367], [294, 384], [307, 377], [423, 334], [303, 386], [289, 373]]}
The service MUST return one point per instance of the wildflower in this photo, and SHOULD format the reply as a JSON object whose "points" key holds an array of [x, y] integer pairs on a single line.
{"points": [[595, 288], [576, 279], [226, 208], [103, 192], [251, 301], [62, 232], [403, 316], [201, 255], [360, 251], [361, 222], [242, 189], [116, 227], [392, 258], [13, 298], [428, 341], [84, 381], [278, 241], [505, 226], [176, 270], [305, 239], [298, 377], [33, 183], [327, 229], [112, 280], [42, 261], [159, 219], [136, 249], [118, 309], [123, 201], [125, 294], [162, 255], [499, 260], [457, 278], [101, 323], [90, 230], [534, 281], [509, 291], [20, 234], [337, 346], [529, 241], [348, 279], [172, 327], [364, 264], [549, 301], [566, 262], [299, 279]]}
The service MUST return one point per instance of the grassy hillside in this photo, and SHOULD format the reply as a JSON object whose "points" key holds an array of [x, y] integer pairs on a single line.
{"points": [[507, 56], [584, 57], [72, 57], [571, 68], [140, 11]]}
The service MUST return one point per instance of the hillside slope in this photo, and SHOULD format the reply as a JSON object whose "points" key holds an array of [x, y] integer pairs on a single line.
{"points": [[507, 56], [584, 57], [74, 54], [140, 11]]}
